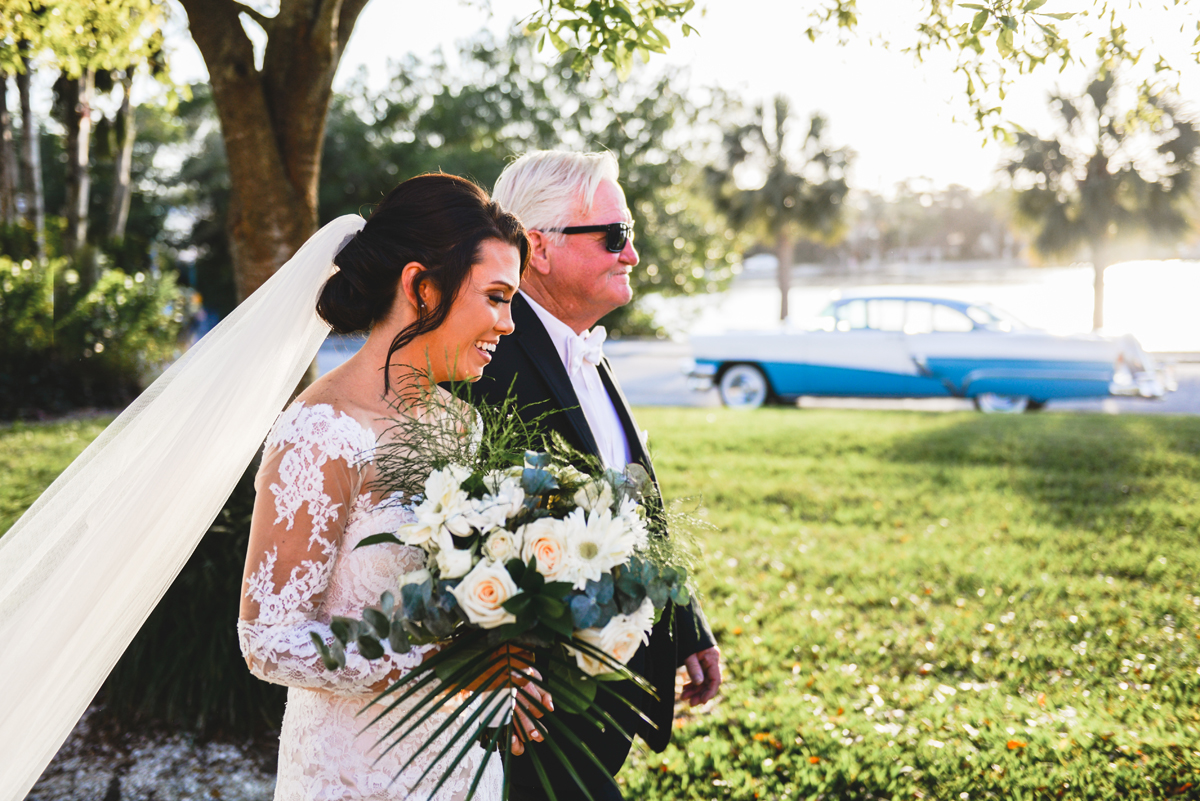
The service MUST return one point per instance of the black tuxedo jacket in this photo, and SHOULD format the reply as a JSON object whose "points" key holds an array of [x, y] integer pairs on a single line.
{"points": [[527, 361]]}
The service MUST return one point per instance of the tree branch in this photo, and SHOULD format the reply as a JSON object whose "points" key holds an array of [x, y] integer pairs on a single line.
{"points": [[262, 19], [346, 20]]}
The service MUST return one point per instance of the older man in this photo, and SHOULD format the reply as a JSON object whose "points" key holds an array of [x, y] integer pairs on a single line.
{"points": [[582, 253]]}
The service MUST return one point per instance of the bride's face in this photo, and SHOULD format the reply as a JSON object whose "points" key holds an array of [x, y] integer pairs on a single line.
{"points": [[461, 347]]}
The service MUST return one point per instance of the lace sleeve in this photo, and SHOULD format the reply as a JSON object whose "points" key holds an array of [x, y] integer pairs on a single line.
{"points": [[312, 471]]}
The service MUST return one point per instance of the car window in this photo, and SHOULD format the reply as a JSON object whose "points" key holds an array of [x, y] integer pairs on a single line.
{"points": [[885, 315], [852, 315], [918, 317], [948, 320]]}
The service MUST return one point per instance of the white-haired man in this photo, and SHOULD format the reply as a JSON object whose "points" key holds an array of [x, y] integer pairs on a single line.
{"points": [[581, 255]]}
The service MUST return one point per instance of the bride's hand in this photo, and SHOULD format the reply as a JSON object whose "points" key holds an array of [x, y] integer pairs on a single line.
{"points": [[530, 702]]}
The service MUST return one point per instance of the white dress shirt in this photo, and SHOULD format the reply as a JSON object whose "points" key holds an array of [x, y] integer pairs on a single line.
{"points": [[594, 399]]}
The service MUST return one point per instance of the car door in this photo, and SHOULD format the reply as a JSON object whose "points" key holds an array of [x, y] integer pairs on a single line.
{"points": [[864, 354]]}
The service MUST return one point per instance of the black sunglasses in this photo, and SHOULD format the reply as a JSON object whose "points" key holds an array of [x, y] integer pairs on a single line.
{"points": [[615, 234]]}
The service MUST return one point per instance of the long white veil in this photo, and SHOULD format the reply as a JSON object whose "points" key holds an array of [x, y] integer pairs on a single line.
{"points": [[84, 567]]}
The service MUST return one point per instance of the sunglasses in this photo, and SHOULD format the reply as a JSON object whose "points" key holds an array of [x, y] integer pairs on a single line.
{"points": [[615, 234]]}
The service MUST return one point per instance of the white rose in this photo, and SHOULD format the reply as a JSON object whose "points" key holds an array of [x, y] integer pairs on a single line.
{"points": [[482, 594], [543, 540], [418, 576], [620, 639], [453, 563], [501, 545]]}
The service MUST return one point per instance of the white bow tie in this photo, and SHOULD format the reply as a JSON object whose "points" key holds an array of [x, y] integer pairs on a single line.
{"points": [[587, 347]]}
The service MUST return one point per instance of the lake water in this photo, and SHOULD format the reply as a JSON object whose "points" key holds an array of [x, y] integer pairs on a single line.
{"points": [[1154, 300]]}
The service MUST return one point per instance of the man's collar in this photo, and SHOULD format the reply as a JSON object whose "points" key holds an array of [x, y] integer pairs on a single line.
{"points": [[560, 333]]}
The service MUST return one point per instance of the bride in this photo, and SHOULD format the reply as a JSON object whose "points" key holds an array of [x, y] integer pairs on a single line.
{"points": [[431, 276]]}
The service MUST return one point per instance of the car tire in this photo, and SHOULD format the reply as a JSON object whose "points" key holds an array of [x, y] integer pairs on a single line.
{"points": [[743, 386], [991, 403]]}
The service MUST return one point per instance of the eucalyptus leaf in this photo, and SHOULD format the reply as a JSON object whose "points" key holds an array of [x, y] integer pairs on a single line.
{"points": [[327, 657], [585, 611], [377, 539], [369, 647], [378, 621], [398, 640]]}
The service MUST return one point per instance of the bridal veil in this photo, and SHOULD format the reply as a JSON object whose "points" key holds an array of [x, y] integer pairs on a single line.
{"points": [[82, 569]]}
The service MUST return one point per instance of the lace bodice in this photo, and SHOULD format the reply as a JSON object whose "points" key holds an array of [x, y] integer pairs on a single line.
{"points": [[314, 505]]}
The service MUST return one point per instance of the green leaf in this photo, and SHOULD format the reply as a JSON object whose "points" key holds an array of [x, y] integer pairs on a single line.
{"points": [[975, 6], [369, 647], [376, 539], [1031, 5], [327, 657], [980, 20], [378, 621], [1060, 15]]}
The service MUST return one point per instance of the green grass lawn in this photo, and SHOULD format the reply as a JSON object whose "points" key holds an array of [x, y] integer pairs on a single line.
{"points": [[33, 454], [915, 605], [940, 606]]}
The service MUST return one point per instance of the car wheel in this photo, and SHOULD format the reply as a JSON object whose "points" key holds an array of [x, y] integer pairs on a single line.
{"points": [[991, 403], [743, 386]]}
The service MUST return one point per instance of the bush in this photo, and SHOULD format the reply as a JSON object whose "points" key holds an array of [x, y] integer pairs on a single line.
{"points": [[63, 347]]}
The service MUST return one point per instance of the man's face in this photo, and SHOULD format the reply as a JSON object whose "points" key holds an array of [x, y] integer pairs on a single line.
{"points": [[585, 278]]}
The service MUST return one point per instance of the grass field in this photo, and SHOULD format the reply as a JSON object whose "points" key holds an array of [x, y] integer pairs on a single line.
{"points": [[940, 606], [32, 455], [915, 606]]}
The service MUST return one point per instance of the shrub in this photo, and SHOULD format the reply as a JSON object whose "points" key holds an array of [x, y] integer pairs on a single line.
{"points": [[63, 347]]}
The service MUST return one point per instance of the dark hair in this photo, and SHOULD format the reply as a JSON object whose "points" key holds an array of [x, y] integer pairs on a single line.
{"points": [[437, 220]]}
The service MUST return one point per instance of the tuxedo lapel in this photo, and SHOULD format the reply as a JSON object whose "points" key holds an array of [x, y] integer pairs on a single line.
{"points": [[637, 449], [533, 338]]}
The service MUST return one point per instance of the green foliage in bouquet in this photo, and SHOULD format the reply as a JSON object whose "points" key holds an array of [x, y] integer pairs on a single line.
{"points": [[529, 561]]}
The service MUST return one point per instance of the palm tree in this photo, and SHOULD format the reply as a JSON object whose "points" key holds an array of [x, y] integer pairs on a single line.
{"points": [[1106, 178], [798, 197]]}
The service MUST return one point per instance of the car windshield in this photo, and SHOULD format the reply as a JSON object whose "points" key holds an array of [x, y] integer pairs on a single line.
{"points": [[987, 316]]}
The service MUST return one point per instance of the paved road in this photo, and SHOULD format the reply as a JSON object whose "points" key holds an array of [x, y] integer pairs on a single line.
{"points": [[651, 376]]}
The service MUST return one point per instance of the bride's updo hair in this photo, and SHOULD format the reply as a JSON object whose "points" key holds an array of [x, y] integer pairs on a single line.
{"points": [[437, 220]]}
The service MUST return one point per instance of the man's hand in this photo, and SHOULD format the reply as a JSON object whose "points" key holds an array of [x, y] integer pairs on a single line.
{"points": [[704, 676]]}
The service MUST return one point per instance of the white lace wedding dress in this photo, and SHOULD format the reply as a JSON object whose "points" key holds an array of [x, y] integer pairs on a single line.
{"points": [[314, 492]]}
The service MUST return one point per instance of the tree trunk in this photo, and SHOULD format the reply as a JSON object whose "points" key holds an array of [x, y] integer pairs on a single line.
{"points": [[31, 162], [1100, 262], [118, 211], [272, 121], [78, 103], [784, 248], [8, 159]]}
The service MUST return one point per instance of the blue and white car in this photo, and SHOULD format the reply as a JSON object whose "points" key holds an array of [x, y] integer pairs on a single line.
{"points": [[921, 347]]}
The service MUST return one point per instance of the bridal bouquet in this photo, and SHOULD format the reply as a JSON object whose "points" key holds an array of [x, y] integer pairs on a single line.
{"points": [[526, 558]]}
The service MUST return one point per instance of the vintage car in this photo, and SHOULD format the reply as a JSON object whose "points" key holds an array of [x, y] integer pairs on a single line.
{"points": [[920, 347]]}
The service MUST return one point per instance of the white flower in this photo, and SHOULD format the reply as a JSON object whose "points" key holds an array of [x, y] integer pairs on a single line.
{"points": [[442, 506], [620, 639], [453, 563], [482, 594], [594, 495], [443, 488], [567, 474], [502, 545], [418, 576], [599, 542], [543, 539]]}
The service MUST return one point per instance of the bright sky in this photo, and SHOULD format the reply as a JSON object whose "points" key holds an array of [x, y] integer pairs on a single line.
{"points": [[898, 115]]}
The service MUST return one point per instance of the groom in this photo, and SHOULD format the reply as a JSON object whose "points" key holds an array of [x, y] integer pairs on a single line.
{"points": [[581, 254]]}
